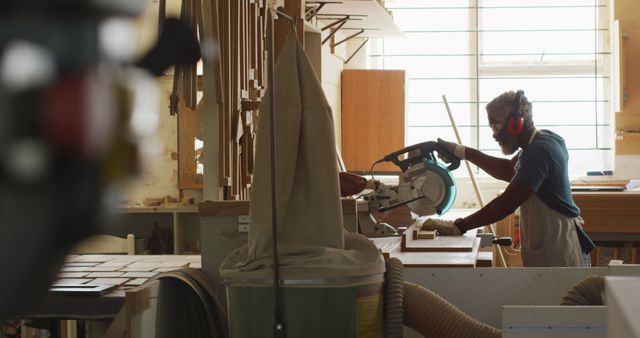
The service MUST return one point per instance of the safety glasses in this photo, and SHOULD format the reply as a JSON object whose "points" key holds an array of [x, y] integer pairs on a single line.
{"points": [[496, 128]]}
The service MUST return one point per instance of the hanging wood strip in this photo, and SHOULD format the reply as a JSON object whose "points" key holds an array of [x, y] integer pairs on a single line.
{"points": [[226, 73], [187, 175], [238, 28]]}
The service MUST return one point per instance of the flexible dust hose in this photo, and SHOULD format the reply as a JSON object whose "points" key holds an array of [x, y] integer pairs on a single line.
{"points": [[432, 316], [393, 299], [588, 292]]}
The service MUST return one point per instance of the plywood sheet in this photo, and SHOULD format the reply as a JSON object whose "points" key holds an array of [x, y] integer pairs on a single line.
{"points": [[108, 281], [71, 281], [86, 274], [140, 274], [105, 274], [137, 281], [373, 110], [81, 289], [76, 268], [72, 274]]}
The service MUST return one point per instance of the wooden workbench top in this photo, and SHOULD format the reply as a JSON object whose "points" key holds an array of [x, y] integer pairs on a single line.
{"points": [[444, 259], [440, 259]]}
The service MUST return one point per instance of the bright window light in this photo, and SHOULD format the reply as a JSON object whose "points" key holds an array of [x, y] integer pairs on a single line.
{"points": [[557, 51]]}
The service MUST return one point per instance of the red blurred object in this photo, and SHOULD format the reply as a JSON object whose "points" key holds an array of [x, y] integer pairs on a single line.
{"points": [[351, 184], [65, 104]]}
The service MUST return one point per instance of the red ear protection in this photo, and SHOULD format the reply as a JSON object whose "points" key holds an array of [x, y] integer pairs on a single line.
{"points": [[516, 121]]}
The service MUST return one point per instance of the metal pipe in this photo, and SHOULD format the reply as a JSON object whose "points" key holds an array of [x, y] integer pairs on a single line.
{"points": [[279, 326]]}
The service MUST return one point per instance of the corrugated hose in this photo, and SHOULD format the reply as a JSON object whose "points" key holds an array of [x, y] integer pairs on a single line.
{"points": [[424, 311], [588, 292]]}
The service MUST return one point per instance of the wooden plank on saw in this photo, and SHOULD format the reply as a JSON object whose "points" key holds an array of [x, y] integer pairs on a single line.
{"points": [[462, 243]]}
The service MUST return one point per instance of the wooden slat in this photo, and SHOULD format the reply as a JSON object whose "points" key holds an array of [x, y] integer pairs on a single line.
{"points": [[187, 124], [243, 46], [261, 45], [225, 37], [223, 208], [238, 208], [241, 41], [253, 37], [233, 107], [373, 113]]}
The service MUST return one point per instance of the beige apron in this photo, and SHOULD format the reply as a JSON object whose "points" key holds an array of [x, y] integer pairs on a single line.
{"points": [[549, 238]]}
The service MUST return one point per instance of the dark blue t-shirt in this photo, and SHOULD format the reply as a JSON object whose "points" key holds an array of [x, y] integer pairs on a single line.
{"points": [[543, 167]]}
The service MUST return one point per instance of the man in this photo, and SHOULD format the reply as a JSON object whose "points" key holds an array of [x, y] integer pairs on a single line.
{"points": [[550, 223]]}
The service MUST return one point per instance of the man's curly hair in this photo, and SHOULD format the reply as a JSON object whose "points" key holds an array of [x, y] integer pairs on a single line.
{"points": [[500, 108]]}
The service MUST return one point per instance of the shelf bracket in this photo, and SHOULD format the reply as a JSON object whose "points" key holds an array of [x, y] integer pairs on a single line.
{"points": [[313, 10], [348, 38], [339, 24], [357, 50]]}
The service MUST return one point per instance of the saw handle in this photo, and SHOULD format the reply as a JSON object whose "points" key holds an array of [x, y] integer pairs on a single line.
{"points": [[426, 152]]}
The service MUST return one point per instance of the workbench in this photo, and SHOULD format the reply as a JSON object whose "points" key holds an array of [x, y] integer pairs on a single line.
{"points": [[609, 212], [435, 258], [612, 220]]}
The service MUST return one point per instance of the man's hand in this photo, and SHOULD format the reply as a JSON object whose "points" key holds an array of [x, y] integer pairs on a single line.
{"points": [[445, 228], [454, 148]]}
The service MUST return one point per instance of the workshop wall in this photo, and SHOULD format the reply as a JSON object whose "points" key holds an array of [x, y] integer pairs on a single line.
{"points": [[332, 66], [159, 175], [159, 170], [626, 166]]}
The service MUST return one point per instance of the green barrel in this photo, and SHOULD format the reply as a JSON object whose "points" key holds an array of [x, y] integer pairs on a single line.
{"points": [[312, 309]]}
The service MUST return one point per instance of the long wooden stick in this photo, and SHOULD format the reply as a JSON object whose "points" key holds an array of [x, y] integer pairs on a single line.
{"points": [[471, 175]]}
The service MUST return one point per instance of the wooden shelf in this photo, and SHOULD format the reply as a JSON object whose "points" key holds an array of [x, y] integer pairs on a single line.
{"points": [[177, 214], [160, 210], [367, 14]]}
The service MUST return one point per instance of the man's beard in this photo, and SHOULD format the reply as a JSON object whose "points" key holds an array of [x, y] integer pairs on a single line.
{"points": [[508, 144]]}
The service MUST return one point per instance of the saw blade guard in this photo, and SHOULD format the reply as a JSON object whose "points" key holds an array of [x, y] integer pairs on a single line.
{"points": [[416, 153], [431, 186]]}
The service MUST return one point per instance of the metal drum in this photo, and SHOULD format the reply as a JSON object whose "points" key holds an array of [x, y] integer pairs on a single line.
{"points": [[349, 308]]}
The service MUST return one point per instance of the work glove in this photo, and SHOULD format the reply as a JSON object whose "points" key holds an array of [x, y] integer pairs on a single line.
{"points": [[445, 228], [454, 148]]}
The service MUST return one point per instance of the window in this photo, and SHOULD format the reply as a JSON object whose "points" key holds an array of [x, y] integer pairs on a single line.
{"points": [[557, 51]]}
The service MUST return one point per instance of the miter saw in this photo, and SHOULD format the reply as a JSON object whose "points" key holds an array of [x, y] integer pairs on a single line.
{"points": [[425, 186]]}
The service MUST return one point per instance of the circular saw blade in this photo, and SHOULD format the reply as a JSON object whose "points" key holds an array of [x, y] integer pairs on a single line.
{"points": [[420, 182]]}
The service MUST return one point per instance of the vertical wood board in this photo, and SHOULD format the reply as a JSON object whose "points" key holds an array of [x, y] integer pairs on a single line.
{"points": [[373, 115]]}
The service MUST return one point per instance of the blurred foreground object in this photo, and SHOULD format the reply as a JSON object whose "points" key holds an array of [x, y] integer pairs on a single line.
{"points": [[72, 111]]}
